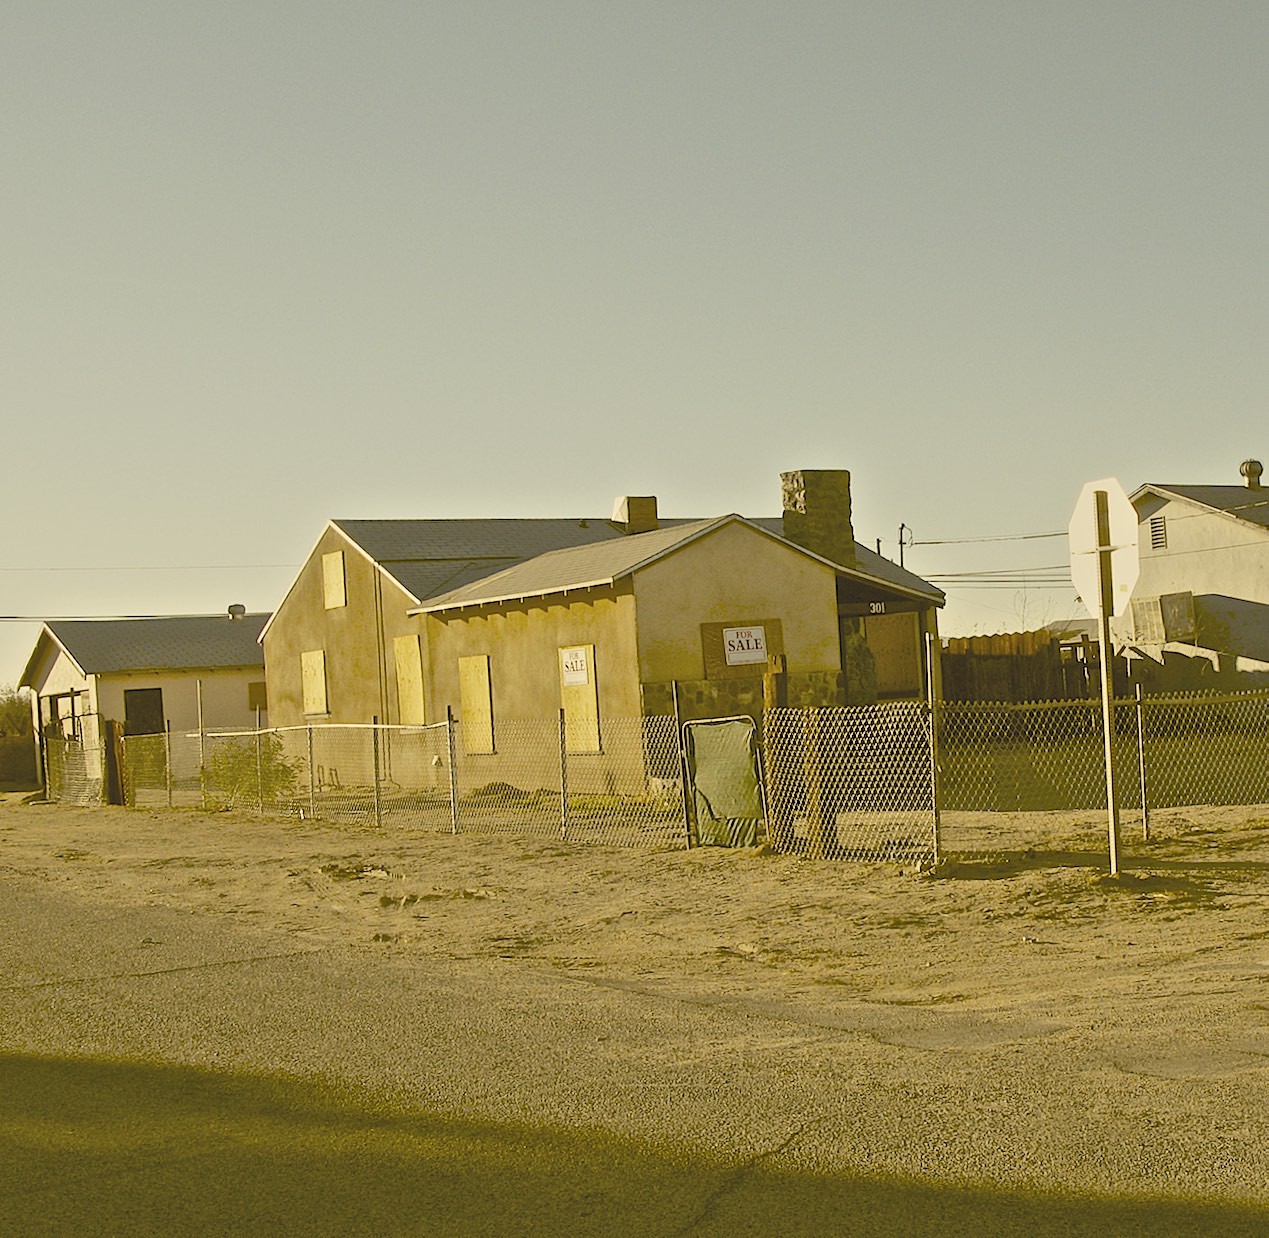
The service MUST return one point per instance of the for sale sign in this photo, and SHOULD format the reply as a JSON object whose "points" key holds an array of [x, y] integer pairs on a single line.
{"points": [[744, 646]]}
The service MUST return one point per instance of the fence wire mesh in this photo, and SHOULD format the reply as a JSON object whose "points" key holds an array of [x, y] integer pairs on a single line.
{"points": [[1206, 750], [852, 783], [75, 763], [631, 793], [856, 783]]}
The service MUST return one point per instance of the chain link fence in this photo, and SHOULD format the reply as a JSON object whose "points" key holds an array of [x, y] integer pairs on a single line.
{"points": [[853, 783], [75, 761], [628, 793], [1006, 771], [858, 783]]}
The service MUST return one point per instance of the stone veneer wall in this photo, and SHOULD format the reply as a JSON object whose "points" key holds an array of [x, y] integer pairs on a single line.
{"points": [[722, 698]]}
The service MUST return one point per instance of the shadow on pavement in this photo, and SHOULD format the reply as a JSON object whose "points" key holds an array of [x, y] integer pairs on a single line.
{"points": [[90, 1146]]}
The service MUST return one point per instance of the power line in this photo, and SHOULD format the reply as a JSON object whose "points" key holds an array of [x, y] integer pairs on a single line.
{"points": [[1002, 537], [158, 567]]}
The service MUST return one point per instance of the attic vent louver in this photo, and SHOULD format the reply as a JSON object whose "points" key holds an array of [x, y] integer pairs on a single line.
{"points": [[1158, 533]]}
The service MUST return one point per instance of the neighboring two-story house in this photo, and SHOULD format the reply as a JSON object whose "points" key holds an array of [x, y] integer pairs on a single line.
{"points": [[1199, 616]]}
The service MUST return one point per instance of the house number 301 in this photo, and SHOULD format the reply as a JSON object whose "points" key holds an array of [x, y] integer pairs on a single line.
{"points": [[876, 608]]}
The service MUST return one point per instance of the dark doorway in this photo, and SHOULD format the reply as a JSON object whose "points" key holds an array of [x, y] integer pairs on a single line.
{"points": [[143, 711]]}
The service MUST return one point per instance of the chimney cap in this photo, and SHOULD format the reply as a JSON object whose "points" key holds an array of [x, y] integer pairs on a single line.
{"points": [[1251, 471]]}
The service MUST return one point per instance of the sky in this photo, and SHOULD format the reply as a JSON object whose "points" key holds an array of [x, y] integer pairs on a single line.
{"points": [[264, 264]]}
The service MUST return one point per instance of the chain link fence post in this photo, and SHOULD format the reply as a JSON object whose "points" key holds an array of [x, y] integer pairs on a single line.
{"points": [[452, 750], [202, 747], [374, 758], [1141, 763], [259, 765], [813, 768], [167, 758], [933, 704], [312, 773], [563, 778]]}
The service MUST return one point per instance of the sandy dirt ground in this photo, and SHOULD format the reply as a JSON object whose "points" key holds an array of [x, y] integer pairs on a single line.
{"points": [[215, 1023]]}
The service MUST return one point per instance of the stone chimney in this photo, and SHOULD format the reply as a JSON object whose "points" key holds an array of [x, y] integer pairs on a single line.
{"points": [[1251, 470], [636, 513], [817, 513]]}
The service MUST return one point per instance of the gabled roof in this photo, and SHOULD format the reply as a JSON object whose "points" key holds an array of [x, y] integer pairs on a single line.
{"points": [[576, 567], [604, 563], [1240, 502], [430, 557], [434, 559], [869, 564], [181, 642]]}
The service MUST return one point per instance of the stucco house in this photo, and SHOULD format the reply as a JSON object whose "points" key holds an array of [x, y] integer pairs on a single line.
{"points": [[146, 674], [1199, 614], [401, 620]]}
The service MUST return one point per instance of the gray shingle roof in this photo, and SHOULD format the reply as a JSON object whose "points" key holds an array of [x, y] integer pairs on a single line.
{"points": [[185, 642], [574, 567], [870, 564], [1241, 501], [605, 562], [430, 557], [434, 559]]}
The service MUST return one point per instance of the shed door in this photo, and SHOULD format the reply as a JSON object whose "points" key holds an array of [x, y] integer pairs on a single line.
{"points": [[143, 711]]}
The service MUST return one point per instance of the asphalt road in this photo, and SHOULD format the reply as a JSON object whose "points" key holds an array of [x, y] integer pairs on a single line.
{"points": [[169, 1072]]}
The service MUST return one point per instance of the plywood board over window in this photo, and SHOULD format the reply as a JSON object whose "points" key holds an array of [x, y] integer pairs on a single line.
{"points": [[408, 654], [313, 680], [742, 648], [475, 697], [579, 698], [334, 590], [895, 641]]}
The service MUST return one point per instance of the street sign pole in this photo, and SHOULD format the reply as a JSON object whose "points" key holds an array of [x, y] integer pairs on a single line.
{"points": [[1104, 568], [1105, 599]]}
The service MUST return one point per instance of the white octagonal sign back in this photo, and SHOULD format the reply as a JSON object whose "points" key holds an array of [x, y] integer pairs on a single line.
{"points": [[1124, 565]]}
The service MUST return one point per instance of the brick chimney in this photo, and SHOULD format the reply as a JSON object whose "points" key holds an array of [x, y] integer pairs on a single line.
{"points": [[817, 513], [636, 513]]}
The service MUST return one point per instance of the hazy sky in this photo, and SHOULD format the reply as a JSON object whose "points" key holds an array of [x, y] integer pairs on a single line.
{"points": [[268, 263]]}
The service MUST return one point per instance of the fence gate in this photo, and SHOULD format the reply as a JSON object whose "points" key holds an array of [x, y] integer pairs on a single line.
{"points": [[725, 788]]}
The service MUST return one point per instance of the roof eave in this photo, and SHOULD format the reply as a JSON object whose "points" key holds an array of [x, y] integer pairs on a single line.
{"points": [[28, 671]]}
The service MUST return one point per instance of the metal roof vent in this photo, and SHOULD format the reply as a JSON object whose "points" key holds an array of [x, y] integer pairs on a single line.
{"points": [[237, 611], [1251, 470]]}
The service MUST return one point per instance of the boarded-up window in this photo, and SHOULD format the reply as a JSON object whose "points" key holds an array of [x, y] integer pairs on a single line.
{"points": [[409, 659], [257, 696], [740, 649], [313, 677], [142, 711], [579, 698], [895, 642], [476, 702], [333, 588]]}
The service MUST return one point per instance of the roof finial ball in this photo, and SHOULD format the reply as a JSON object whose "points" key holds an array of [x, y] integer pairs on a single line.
{"points": [[1251, 470]]}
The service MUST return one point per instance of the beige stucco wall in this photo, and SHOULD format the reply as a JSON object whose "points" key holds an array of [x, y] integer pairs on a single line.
{"points": [[1206, 553], [523, 643], [225, 696], [734, 574], [356, 638]]}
